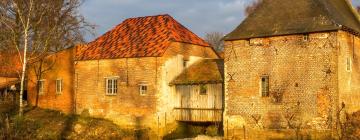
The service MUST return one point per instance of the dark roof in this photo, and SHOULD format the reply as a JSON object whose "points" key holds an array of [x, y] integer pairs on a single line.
{"points": [[148, 36], [284, 17], [202, 72]]}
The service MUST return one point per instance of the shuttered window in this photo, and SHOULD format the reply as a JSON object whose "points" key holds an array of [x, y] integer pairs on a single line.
{"points": [[265, 86]]}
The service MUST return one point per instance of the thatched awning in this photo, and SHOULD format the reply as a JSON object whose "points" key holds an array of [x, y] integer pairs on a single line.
{"points": [[203, 72]]}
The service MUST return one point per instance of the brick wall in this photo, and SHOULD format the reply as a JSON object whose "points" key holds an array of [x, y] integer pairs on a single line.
{"points": [[56, 66], [128, 108], [302, 73], [349, 81]]}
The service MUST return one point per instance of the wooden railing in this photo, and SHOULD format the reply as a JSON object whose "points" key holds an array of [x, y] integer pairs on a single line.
{"points": [[198, 114]]}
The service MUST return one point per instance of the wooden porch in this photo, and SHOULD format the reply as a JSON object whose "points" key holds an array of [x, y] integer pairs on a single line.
{"points": [[198, 114]]}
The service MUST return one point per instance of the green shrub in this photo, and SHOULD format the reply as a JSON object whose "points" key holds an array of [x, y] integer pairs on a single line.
{"points": [[212, 130]]}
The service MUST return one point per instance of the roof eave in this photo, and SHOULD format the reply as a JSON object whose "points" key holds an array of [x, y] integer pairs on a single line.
{"points": [[276, 35]]}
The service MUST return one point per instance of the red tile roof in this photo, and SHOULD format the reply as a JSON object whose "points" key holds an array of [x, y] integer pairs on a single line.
{"points": [[139, 37]]}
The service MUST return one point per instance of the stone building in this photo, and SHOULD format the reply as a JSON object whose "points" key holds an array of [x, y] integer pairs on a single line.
{"points": [[294, 66], [124, 75], [52, 86]]}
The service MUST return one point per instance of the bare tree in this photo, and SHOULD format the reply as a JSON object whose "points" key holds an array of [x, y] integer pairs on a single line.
{"points": [[251, 8], [215, 40], [38, 28]]}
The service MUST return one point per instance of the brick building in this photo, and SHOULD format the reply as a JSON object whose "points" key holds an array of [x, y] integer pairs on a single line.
{"points": [[52, 87], [124, 75], [293, 66]]}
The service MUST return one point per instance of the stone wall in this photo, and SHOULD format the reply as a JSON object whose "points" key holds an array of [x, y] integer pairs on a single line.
{"points": [[303, 81], [56, 66]]}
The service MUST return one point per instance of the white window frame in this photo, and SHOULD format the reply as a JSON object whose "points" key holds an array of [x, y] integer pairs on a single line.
{"points": [[41, 84], [59, 90], [111, 85], [143, 91]]}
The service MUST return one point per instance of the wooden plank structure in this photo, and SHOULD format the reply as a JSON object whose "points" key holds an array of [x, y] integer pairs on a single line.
{"points": [[194, 106], [198, 92]]}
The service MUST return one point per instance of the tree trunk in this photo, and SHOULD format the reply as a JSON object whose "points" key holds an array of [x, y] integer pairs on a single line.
{"points": [[38, 78], [23, 72]]}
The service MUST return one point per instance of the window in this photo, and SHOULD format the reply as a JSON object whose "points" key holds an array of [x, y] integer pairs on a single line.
{"points": [[111, 86], [41, 84], [59, 85], [265, 86], [185, 63], [348, 64], [306, 37], [143, 89], [203, 89]]}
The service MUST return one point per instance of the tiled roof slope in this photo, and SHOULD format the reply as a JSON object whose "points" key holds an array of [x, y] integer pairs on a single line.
{"points": [[284, 17], [139, 37], [203, 72]]}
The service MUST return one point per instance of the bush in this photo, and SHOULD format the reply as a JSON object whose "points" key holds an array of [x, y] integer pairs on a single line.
{"points": [[212, 130]]}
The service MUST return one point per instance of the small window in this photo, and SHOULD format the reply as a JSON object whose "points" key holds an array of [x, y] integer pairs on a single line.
{"points": [[265, 86], [185, 63], [143, 89], [59, 86], [203, 89], [41, 84], [348, 64], [111, 86], [306, 37]]}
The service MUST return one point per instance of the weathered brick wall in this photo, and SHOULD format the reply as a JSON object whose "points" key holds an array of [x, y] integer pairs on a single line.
{"points": [[349, 79], [303, 73], [128, 107], [62, 67]]}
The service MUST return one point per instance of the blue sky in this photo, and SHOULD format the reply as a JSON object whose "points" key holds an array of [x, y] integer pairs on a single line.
{"points": [[200, 16]]}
